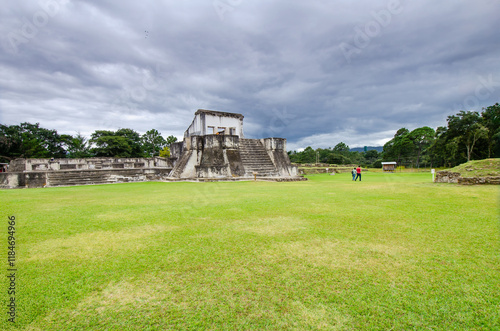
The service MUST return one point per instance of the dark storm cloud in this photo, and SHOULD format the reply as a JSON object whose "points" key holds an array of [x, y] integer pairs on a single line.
{"points": [[316, 72]]}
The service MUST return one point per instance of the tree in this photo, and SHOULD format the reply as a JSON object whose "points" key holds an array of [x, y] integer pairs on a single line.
{"points": [[341, 148], [491, 120], [335, 158], [165, 152], [467, 125], [308, 155], [153, 142], [444, 149], [398, 147], [112, 146], [134, 140], [31, 141], [10, 142], [370, 156], [421, 138], [78, 146], [122, 143], [170, 140]]}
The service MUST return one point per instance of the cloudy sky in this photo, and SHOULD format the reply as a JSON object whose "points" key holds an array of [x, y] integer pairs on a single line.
{"points": [[316, 72]]}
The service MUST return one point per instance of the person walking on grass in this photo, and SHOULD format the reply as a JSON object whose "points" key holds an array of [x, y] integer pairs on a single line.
{"points": [[353, 172], [358, 173]]}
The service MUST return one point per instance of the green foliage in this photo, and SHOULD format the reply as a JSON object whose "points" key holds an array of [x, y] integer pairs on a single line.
{"points": [[399, 147], [491, 120], [377, 164], [112, 146], [370, 157], [467, 125], [170, 140], [153, 142], [165, 152], [78, 147], [128, 143], [341, 148], [422, 138], [31, 141], [338, 155]]}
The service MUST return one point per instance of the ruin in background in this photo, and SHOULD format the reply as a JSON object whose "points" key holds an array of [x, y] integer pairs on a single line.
{"points": [[214, 147]]}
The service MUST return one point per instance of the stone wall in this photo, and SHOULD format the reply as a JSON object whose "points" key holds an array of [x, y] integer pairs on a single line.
{"points": [[447, 177], [455, 177], [82, 177], [22, 179], [276, 148], [27, 173], [479, 180], [94, 163]]}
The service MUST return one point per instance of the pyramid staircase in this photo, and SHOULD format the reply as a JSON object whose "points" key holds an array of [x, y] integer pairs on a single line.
{"points": [[179, 167], [254, 158]]}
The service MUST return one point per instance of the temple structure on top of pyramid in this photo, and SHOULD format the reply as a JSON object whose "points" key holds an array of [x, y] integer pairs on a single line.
{"points": [[214, 147]]}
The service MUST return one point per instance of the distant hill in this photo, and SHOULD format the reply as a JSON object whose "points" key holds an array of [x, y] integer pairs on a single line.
{"points": [[362, 149]]}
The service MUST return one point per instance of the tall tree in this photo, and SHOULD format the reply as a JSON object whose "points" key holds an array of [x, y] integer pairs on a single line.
{"points": [[421, 138], [31, 141], [308, 155], [134, 140], [398, 147], [153, 142], [491, 120], [341, 148], [468, 126], [122, 143], [78, 146], [170, 140]]}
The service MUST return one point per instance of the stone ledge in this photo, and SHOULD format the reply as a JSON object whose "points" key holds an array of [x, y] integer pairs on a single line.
{"points": [[455, 177], [38, 179], [236, 179]]}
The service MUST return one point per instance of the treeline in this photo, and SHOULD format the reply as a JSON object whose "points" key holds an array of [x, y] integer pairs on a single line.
{"points": [[31, 141], [340, 154], [469, 135]]}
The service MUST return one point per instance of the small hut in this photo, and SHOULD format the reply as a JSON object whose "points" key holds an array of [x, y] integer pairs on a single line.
{"points": [[389, 166]]}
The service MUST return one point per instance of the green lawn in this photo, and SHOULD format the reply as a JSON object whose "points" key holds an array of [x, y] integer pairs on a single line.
{"points": [[394, 251]]}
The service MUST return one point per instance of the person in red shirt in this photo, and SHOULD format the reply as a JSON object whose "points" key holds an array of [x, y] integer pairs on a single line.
{"points": [[358, 173]]}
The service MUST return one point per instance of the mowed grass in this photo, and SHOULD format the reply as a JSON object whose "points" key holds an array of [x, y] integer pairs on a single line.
{"points": [[394, 251]]}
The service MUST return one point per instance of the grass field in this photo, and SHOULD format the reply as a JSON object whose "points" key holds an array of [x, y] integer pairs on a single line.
{"points": [[393, 252]]}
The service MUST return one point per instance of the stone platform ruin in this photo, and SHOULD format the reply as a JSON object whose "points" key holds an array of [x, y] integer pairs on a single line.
{"points": [[32, 173], [214, 148]]}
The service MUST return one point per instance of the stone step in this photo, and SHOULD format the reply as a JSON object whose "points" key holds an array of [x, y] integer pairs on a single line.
{"points": [[77, 178], [259, 161], [258, 165], [252, 152], [255, 158], [181, 164]]}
